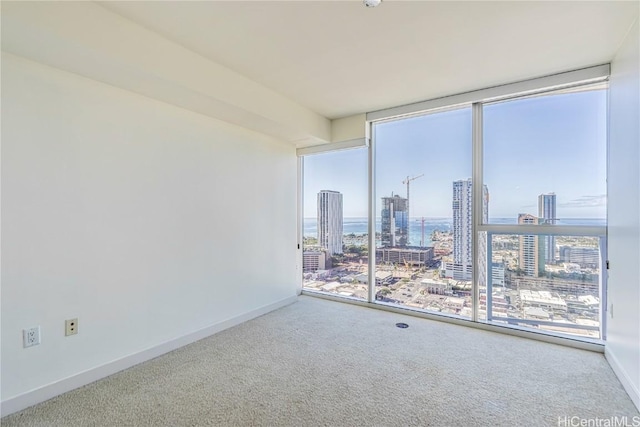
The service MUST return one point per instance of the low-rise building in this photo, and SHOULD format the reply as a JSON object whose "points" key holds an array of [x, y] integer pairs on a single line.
{"points": [[454, 303], [456, 271], [382, 277], [584, 305], [543, 299], [331, 286], [536, 313], [499, 303], [436, 286], [313, 261], [348, 278], [411, 256]]}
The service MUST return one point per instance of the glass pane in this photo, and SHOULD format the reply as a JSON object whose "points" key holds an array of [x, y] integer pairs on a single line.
{"points": [[560, 297], [546, 156], [423, 212], [335, 241]]}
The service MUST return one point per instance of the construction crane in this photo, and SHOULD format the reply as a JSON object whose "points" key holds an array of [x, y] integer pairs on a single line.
{"points": [[408, 181]]}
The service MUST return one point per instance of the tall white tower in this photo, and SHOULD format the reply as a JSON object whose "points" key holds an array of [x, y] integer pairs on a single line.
{"points": [[462, 211], [330, 221], [462, 228], [547, 215]]}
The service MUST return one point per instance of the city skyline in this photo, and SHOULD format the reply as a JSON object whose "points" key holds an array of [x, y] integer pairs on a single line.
{"points": [[532, 146]]}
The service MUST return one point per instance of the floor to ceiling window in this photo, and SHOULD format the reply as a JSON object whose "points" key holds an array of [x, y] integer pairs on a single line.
{"points": [[335, 235], [491, 210], [544, 159], [423, 212]]}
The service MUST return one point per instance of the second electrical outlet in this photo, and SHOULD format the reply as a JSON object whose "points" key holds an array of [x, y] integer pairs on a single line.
{"points": [[70, 327]]}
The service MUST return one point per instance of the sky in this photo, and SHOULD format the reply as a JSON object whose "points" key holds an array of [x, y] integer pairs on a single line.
{"points": [[532, 146]]}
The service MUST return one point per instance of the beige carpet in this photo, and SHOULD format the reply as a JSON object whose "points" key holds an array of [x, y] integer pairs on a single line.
{"points": [[323, 363]]}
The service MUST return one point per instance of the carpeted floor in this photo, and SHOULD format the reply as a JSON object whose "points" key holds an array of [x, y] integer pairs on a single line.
{"points": [[323, 363]]}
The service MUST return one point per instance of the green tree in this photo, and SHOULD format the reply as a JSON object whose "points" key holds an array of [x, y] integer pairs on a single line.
{"points": [[337, 259]]}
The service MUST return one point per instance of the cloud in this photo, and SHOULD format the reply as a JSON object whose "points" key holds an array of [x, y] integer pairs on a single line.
{"points": [[585, 202]]}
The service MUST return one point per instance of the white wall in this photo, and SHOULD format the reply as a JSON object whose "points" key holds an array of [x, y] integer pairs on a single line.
{"points": [[146, 221], [623, 331], [89, 40], [348, 128]]}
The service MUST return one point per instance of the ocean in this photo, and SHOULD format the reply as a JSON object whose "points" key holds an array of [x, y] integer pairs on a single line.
{"points": [[359, 226]]}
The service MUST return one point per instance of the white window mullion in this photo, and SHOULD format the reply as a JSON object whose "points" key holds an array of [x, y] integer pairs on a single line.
{"points": [[476, 179], [300, 214], [372, 212]]}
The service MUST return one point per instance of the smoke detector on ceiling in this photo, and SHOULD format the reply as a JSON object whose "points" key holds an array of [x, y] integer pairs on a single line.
{"points": [[371, 3]]}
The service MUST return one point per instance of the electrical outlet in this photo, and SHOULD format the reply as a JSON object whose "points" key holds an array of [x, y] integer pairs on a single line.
{"points": [[31, 336], [70, 327]]}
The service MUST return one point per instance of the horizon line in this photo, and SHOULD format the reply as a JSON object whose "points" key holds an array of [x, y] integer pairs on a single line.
{"points": [[450, 217]]}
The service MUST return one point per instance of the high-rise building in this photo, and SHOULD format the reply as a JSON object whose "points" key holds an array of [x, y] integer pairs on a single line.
{"points": [[531, 251], [330, 221], [394, 221], [462, 214], [547, 215], [462, 230]]}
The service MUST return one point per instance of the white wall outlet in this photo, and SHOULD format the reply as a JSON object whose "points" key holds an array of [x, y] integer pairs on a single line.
{"points": [[31, 336], [70, 327]]}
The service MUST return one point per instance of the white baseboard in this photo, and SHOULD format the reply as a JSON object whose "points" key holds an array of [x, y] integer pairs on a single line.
{"points": [[628, 385], [54, 389]]}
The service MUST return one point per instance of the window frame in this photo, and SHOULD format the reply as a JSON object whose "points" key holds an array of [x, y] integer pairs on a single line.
{"points": [[570, 80]]}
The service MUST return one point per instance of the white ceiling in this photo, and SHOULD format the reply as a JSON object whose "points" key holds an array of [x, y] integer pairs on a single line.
{"points": [[340, 58]]}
